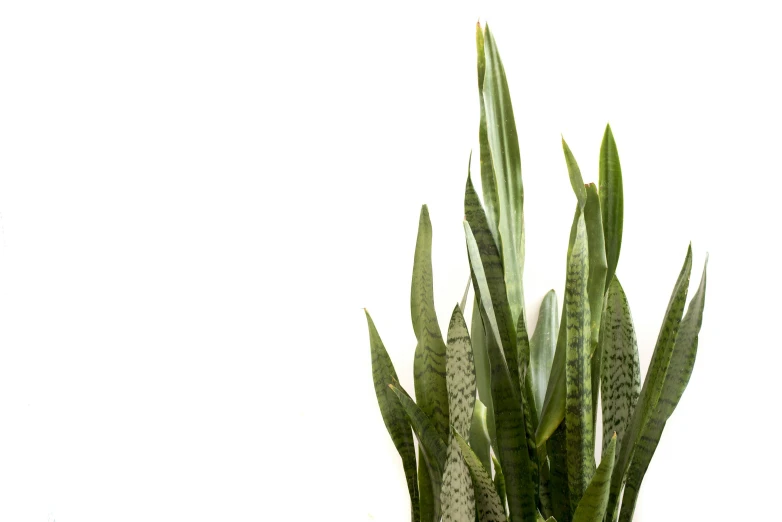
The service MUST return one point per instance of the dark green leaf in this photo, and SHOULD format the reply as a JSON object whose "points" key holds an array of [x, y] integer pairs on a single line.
{"points": [[578, 404], [482, 368], [592, 507], [556, 446], [676, 378], [394, 417], [611, 201]]}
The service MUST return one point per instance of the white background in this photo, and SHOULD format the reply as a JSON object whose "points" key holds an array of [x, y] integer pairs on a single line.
{"points": [[197, 199]]}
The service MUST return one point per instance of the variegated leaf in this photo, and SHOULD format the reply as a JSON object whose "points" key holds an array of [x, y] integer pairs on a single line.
{"points": [[460, 373], [488, 505], [592, 507]]}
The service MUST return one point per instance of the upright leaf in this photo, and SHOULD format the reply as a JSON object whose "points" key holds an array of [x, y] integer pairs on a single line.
{"points": [[512, 447], [488, 180], [482, 368], [611, 201], [592, 507], [458, 502], [487, 502], [504, 145], [479, 435], [429, 365], [393, 413], [499, 482], [542, 346], [578, 410], [463, 303], [676, 378], [653, 384], [527, 401], [574, 173], [493, 269], [621, 384], [556, 447]]}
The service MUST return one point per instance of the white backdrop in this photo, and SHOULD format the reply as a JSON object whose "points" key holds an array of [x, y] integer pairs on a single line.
{"points": [[197, 199]]}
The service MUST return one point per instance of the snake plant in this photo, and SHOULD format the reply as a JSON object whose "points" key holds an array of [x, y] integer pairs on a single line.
{"points": [[505, 415]]}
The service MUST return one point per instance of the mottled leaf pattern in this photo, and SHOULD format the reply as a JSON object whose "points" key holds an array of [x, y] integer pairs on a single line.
{"points": [[458, 502], [542, 346], [504, 146], [487, 503], [652, 386], [677, 376], [393, 413], [592, 507], [621, 384], [527, 401], [578, 405], [556, 447], [611, 201], [512, 447]]}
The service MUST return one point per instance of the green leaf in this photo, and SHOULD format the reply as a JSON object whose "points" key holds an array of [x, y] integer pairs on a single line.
{"points": [[463, 304], [432, 448], [393, 413], [429, 364], [574, 173], [488, 180], [592, 507], [542, 346], [527, 401], [504, 145], [488, 505], [482, 368], [611, 201], [479, 435], [456, 496], [676, 378], [578, 404], [621, 370], [491, 262], [499, 481], [512, 447], [556, 447], [653, 384]]}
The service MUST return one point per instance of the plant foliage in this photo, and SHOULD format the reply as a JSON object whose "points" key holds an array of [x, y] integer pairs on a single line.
{"points": [[506, 417]]}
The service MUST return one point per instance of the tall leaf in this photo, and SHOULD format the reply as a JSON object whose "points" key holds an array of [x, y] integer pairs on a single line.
{"points": [[611, 201], [542, 346], [574, 173], [578, 404], [592, 507], [456, 496], [482, 368], [512, 447], [653, 384], [487, 502], [527, 401], [429, 364], [504, 146], [393, 413], [621, 384], [479, 435], [676, 378], [556, 447]]}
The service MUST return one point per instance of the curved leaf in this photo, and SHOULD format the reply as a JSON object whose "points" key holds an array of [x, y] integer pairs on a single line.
{"points": [[592, 507], [677, 376], [479, 435], [487, 502], [578, 404], [653, 384], [611, 201], [574, 173], [393, 413], [621, 370], [542, 346]]}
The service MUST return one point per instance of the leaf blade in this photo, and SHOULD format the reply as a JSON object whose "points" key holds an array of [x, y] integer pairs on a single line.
{"points": [[592, 507], [611, 201]]}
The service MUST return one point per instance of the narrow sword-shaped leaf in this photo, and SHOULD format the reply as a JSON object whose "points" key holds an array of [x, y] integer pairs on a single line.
{"points": [[527, 401], [578, 404], [504, 145], [512, 447], [488, 180], [493, 268], [479, 435], [487, 502], [393, 413], [676, 378], [463, 304], [482, 367], [456, 496], [592, 507], [429, 364], [596, 286], [611, 201], [621, 384], [574, 173], [431, 447], [652, 386], [499, 482], [542, 346]]}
